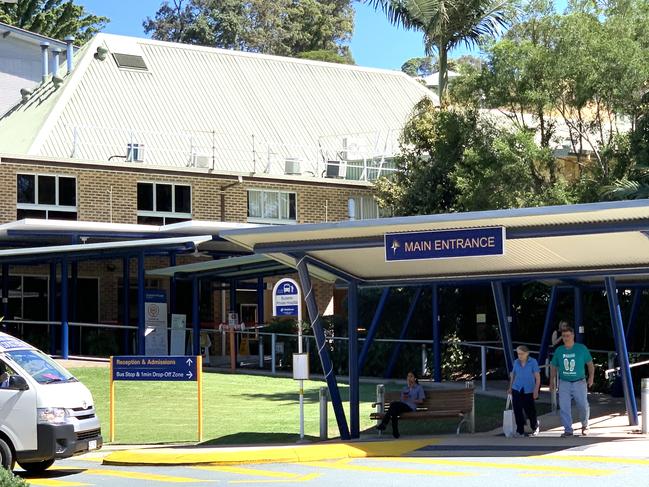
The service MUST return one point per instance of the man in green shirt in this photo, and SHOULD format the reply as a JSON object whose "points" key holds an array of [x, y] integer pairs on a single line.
{"points": [[570, 361]]}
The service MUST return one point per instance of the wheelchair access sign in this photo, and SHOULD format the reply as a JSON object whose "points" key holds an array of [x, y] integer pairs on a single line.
{"points": [[286, 298]]}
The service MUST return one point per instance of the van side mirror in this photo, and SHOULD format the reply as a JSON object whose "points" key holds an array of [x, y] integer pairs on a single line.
{"points": [[18, 382]]}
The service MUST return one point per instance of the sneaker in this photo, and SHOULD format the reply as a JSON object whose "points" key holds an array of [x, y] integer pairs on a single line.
{"points": [[566, 434], [537, 430], [519, 435], [585, 431]]}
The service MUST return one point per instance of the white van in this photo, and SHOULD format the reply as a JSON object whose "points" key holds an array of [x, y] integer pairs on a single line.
{"points": [[45, 413]]}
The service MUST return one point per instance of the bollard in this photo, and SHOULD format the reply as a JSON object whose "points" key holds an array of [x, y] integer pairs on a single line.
{"points": [[553, 398], [261, 352], [424, 360], [324, 423], [273, 343], [644, 403], [223, 344], [380, 402], [483, 366]]}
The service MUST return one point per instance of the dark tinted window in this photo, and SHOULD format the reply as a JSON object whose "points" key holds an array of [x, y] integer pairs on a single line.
{"points": [[67, 191], [46, 190], [22, 214], [145, 196], [291, 206], [163, 197], [150, 220], [61, 215], [183, 199], [26, 188]]}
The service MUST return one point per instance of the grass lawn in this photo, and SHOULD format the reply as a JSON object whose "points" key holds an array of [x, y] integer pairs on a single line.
{"points": [[239, 409]]}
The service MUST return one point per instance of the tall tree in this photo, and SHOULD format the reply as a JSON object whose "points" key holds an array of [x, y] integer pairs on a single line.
{"points": [[53, 18], [283, 27], [419, 66], [447, 24]]}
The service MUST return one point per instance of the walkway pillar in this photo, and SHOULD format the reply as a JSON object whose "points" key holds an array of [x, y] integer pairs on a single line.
{"points": [[196, 323], [141, 324], [5, 291], [260, 302], [547, 326], [437, 335], [52, 313], [318, 333], [371, 332], [64, 310], [503, 325], [172, 284], [354, 382], [620, 347], [126, 305], [75, 333], [579, 320]]}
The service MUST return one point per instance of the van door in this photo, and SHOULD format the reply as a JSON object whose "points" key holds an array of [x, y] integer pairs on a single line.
{"points": [[18, 412]]}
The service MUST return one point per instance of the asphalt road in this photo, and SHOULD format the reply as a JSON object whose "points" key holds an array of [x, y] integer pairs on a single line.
{"points": [[474, 469]]}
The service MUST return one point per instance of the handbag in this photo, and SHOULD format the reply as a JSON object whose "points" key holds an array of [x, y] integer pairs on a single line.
{"points": [[508, 418]]}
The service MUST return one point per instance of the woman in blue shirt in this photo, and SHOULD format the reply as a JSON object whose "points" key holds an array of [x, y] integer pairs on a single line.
{"points": [[411, 395], [524, 384]]}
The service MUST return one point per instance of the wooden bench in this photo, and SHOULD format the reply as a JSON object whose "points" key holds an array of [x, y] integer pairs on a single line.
{"points": [[439, 403]]}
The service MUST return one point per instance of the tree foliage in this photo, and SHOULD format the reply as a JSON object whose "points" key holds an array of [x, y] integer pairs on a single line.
{"points": [[53, 18], [282, 27]]}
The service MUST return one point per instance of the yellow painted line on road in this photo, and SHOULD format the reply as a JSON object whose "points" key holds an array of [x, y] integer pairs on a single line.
{"points": [[144, 476], [497, 465], [304, 478], [54, 483], [597, 459], [247, 471], [408, 471]]}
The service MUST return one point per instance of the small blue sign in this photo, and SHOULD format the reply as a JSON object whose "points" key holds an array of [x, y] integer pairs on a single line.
{"points": [[154, 296], [444, 244], [286, 298], [154, 368]]}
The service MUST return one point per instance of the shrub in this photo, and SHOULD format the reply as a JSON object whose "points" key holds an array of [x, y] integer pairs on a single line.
{"points": [[8, 479]]}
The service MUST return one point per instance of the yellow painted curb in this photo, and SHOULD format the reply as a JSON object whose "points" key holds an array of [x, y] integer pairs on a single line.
{"points": [[279, 454]]}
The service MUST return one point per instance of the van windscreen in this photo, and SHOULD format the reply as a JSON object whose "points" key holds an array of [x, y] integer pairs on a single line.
{"points": [[41, 367]]}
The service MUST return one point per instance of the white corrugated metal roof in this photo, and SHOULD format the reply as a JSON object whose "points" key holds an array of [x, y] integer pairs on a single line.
{"points": [[576, 239], [246, 112]]}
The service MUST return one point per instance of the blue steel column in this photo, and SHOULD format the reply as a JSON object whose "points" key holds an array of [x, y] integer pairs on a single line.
{"points": [[172, 284], [579, 323], [196, 323], [126, 305], [52, 316], [64, 309], [75, 335], [547, 326], [620, 347], [633, 315], [140, 304], [5, 291], [501, 313], [437, 335], [354, 384], [371, 332], [260, 301], [404, 330], [325, 361]]}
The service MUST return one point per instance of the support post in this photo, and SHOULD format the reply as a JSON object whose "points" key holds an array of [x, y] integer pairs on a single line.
{"points": [[318, 332], [404, 331], [172, 284], [579, 323], [140, 304], [126, 305], [354, 383], [503, 325], [483, 366], [273, 355], [620, 347], [260, 302], [64, 310], [324, 422], [52, 293], [75, 334], [5, 291], [437, 335], [633, 316], [371, 332], [547, 326], [196, 324]]}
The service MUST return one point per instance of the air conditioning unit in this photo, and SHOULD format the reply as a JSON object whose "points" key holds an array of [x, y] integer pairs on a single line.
{"points": [[200, 160], [333, 169], [292, 166]]}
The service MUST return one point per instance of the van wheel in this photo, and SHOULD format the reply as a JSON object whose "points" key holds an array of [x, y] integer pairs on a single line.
{"points": [[36, 467], [6, 455]]}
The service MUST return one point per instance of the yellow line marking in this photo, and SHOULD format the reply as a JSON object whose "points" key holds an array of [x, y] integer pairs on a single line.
{"points": [[362, 468], [304, 478], [247, 471], [54, 483], [144, 476], [496, 465], [595, 459]]}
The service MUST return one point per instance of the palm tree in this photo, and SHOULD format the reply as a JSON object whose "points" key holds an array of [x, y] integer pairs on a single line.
{"points": [[446, 24]]}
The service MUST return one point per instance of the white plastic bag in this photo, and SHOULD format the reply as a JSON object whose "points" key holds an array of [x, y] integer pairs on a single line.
{"points": [[508, 418]]}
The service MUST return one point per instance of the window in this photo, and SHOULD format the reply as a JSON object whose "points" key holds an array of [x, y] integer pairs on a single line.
{"points": [[163, 204], [134, 152], [46, 197], [365, 208], [265, 206]]}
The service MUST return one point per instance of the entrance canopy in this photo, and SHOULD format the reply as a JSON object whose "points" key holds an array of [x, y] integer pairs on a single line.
{"points": [[600, 239]]}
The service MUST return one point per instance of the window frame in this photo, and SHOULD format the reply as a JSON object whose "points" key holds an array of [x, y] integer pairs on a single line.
{"points": [[165, 214], [56, 207], [272, 221], [134, 149]]}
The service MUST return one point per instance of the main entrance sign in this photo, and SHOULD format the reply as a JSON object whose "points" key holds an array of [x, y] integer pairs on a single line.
{"points": [[445, 244]]}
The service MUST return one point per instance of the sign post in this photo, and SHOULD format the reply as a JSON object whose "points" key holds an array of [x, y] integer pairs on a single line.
{"points": [[287, 301], [180, 368]]}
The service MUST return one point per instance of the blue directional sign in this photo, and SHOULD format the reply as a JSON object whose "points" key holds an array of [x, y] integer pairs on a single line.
{"points": [[150, 368], [444, 244], [286, 298]]}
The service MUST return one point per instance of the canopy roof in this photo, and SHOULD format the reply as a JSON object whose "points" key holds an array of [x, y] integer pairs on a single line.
{"points": [[541, 243]]}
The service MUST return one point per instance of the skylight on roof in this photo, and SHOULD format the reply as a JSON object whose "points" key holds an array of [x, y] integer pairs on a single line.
{"points": [[130, 61]]}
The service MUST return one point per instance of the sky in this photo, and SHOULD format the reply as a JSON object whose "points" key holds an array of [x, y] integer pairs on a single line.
{"points": [[375, 42]]}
